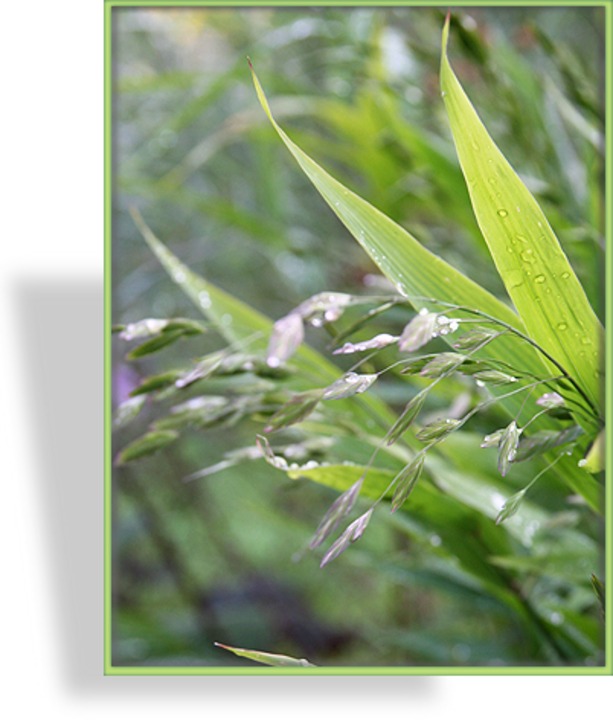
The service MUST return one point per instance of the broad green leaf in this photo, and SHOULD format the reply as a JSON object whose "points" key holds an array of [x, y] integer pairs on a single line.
{"points": [[266, 658], [537, 275], [417, 273]]}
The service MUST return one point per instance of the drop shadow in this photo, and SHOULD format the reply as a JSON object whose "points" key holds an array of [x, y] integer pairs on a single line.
{"points": [[61, 349]]}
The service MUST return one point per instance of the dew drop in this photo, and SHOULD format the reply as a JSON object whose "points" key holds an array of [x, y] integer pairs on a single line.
{"points": [[565, 275], [540, 279], [475, 145], [521, 238], [562, 326], [527, 255], [492, 181], [516, 278], [503, 213], [586, 341]]}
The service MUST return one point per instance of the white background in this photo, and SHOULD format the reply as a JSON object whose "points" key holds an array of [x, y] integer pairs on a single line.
{"points": [[51, 279]]}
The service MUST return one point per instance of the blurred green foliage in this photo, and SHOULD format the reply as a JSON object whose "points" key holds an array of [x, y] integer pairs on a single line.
{"points": [[223, 558]]}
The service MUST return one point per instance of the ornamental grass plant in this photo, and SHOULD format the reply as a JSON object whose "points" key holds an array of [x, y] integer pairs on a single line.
{"points": [[381, 442]]}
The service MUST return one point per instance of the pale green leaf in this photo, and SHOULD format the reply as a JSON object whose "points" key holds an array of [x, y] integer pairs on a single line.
{"points": [[266, 658], [537, 275], [417, 273], [421, 276]]}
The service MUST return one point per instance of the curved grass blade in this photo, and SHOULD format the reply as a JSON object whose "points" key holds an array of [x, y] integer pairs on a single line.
{"points": [[266, 658], [413, 269], [537, 274], [418, 273]]}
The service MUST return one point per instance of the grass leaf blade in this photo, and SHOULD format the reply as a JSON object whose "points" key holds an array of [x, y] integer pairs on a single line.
{"points": [[538, 277], [266, 658]]}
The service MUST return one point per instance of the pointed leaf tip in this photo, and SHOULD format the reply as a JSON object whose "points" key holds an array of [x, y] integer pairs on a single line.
{"points": [[446, 30], [266, 658]]}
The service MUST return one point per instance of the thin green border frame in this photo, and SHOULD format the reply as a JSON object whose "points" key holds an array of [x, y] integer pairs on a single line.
{"points": [[109, 669]]}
